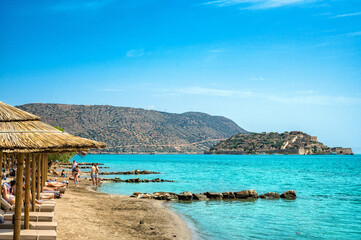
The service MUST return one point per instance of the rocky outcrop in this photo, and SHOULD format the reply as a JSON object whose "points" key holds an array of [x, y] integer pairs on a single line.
{"points": [[294, 142], [270, 195], [214, 196], [185, 196], [228, 195], [135, 172], [290, 195], [246, 194], [136, 180], [199, 197]]}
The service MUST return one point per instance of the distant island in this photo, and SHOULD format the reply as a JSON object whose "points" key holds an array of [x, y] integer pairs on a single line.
{"points": [[294, 142], [128, 130]]}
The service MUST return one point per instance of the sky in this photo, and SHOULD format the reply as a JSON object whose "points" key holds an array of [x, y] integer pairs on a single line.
{"points": [[269, 65]]}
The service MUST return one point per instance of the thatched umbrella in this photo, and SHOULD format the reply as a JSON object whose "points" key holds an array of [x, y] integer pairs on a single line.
{"points": [[22, 132]]}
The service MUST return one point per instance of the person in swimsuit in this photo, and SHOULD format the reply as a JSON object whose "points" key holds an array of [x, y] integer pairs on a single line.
{"points": [[63, 173], [7, 192], [97, 174], [93, 174], [76, 174]]}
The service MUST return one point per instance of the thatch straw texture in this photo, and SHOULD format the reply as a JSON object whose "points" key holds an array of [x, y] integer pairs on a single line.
{"points": [[10, 114], [23, 132]]}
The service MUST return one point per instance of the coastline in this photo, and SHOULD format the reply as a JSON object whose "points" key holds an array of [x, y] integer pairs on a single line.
{"points": [[83, 213]]}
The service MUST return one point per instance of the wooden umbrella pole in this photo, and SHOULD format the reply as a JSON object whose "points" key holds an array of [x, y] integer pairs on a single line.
{"points": [[41, 172], [33, 162], [44, 171], [27, 191], [39, 175], [18, 197], [46, 167]]}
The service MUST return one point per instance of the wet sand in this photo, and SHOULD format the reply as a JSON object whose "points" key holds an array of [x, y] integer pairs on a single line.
{"points": [[85, 214]]}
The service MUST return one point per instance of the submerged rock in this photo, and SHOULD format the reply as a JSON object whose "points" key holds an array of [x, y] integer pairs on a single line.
{"points": [[270, 195], [246, 194], [290, 194]]}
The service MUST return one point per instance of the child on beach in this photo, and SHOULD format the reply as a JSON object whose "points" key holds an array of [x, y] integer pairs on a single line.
{"points": [[55, 174]]}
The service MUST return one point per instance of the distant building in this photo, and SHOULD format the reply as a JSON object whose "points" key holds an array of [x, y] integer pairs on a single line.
{"points": [[342, 151]]}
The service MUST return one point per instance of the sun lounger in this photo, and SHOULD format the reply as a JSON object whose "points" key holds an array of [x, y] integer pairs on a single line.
{"points": [[7, 234], [45, 207], [33, 216], [32, 225]]}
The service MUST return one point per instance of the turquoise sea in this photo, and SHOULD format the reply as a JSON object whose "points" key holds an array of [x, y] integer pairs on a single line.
{"points": [[328, 189]]}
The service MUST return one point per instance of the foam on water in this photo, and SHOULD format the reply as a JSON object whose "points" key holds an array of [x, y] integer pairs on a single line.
{"points": [[328, 189]]}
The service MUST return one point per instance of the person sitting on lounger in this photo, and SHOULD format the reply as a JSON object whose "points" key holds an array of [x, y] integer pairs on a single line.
{"points": [[7, 192]]}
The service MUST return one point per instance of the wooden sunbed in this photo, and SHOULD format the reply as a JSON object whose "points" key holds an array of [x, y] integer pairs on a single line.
{"points": [[32, 225], [33, 216], [7, 234]]}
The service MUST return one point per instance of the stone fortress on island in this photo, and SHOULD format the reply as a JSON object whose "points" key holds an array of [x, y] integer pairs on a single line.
{"points": [[294, 142]]}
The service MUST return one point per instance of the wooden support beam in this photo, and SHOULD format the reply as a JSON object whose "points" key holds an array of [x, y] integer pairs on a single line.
{"points": [[33, 180], [18, 197], [46, 167], [41, 173], [27, 191], [39, 178]]}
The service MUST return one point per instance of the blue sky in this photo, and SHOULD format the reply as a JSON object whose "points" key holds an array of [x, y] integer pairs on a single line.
{"points": [[269, 65]]}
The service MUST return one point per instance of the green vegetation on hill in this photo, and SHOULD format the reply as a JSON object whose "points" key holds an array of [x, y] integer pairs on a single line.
{"points": [[295, 142], [131, 130]]}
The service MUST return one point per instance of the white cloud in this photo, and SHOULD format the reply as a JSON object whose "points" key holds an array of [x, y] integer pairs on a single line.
{"points": [[257, 4], [308, 97], [212, 92], [353, 34], [135, 53], [347, 15]]}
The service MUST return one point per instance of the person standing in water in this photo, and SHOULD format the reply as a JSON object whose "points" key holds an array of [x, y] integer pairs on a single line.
{"points": [[94, 174]]}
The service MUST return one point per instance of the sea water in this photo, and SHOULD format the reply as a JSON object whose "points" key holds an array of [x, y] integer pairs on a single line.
{"points": [[328, 188]]}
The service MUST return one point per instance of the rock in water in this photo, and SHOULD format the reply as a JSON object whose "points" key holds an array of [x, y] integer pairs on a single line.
{"points": [[270, 195], [171, 196], [185, 196], [290, 195], [228, 195], [246, 194], [199, 197], [217, 195]]}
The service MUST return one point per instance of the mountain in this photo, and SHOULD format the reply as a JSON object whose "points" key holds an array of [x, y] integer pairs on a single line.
{"points": [[133, 130], [295, 142]]}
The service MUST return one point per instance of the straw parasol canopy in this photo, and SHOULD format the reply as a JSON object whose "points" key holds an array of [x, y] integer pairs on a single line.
{"points": [[21, 131]]}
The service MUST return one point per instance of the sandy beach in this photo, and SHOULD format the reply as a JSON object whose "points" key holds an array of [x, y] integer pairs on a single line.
{"points": [[85, 214]]}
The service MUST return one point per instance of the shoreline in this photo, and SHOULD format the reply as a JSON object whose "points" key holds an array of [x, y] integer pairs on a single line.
{"points": [[84, 213]]}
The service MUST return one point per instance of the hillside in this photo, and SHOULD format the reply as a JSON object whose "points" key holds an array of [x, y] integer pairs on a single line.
{"points": [[131, 130], [295, 142]]}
